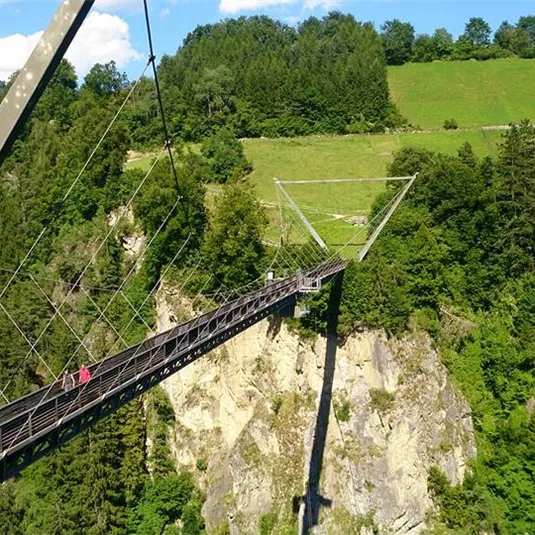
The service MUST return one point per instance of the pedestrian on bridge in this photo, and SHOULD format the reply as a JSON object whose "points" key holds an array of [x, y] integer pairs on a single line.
{"points": [[84, 375], [68, 381]]}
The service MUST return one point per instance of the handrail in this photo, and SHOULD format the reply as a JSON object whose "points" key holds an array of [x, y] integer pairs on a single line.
{"points": [[21, 404]]}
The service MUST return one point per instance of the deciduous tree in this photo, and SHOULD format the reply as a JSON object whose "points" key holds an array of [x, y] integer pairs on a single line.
{"points": [[233, 246], [398, 38], [477, 32]]}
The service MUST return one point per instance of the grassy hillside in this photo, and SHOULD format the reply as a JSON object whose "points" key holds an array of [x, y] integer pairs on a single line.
{"points": [[474, 93], [327, 206], [319, 157], [322, 157]]}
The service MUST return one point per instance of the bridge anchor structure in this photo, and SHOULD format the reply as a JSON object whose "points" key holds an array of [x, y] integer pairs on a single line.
{"points": [[377, 224]]}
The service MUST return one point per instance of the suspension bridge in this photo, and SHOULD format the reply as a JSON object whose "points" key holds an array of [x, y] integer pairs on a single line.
{"points": [[34, 425], [41, 421]]}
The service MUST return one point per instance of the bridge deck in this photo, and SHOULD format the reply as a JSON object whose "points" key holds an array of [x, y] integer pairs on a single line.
{"points": [[35, 424]]}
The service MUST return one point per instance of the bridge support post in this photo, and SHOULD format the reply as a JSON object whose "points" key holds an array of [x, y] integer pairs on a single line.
{"points": [[287, 312]]}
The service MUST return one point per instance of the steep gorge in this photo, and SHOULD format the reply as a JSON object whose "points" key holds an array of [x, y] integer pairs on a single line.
{"points": [[246, 416]]}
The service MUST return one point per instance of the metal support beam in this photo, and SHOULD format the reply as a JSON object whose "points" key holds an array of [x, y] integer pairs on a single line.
{"points": [[301, 216], [41, 65], [333, 180], [375, 234]]}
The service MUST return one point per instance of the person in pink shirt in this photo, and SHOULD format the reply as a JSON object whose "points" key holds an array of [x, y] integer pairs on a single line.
{"points": [[83, 375]]}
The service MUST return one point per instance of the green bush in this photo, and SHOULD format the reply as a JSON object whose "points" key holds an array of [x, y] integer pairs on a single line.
{"points": [[222, 529], [162, 405], [381, 400], [359, 126], [224, 156], [276, 404], [342, 410], [163, 502], [202, 465], [450, 124], [267, 523], [192, 520]]}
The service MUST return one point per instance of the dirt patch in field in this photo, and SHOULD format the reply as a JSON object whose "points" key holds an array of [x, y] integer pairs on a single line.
{"points": [[133, 155]]}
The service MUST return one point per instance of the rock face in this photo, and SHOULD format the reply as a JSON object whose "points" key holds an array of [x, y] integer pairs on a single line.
{"points": [[134, 242], [250, 410]]}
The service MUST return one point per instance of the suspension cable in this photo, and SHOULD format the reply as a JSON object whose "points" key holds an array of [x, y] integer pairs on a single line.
{"points": [[130, 272], [93, 257], [65, 367], [154, 288], [71, 284], [152, 60], [74, 182]]}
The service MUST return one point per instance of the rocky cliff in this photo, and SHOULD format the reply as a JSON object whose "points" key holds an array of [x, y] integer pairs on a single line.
{"points": [[359, 424]]}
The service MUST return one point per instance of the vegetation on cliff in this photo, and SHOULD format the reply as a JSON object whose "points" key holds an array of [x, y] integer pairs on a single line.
{"points": [[107, 480], [458, 260]]}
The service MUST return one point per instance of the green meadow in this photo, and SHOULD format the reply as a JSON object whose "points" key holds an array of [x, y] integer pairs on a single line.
{"points": [[329, 206], [474, 93], [356, 156]]}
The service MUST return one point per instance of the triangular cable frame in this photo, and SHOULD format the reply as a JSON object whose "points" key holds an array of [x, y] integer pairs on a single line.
{"points": [[292, 217]]}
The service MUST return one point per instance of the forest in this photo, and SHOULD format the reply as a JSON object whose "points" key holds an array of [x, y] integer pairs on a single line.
{"points": [[106, 481], [260, 77], [462, 246], [402, 45], [458, 261]]}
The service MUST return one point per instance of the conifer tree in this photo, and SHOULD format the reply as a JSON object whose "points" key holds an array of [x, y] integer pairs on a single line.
{"points": [[233, 246], [467, 156]]}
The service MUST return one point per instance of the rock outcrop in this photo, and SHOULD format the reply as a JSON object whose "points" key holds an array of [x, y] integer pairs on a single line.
{"points": [[250, 409]]}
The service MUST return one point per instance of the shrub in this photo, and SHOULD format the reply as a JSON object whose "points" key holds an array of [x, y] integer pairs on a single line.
{"points": [[276, 404], [202, 465], [342, 410], [360, 126], [450, 124], [222, 529], [192, 520], [225, 157], [381, 400], [267, 523], [162, 503], [162, 405]]}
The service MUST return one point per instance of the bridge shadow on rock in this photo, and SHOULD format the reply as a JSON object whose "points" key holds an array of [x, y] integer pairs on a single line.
{"points": [[274, 325], [308, 506]]}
